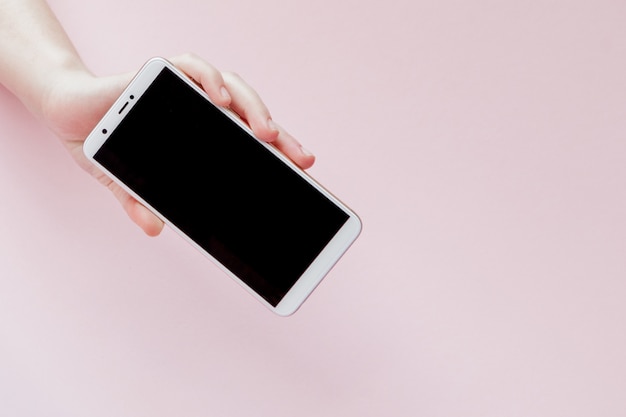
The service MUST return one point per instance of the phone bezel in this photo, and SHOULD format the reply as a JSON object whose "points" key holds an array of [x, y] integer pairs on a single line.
{"points": [[313, 275]]}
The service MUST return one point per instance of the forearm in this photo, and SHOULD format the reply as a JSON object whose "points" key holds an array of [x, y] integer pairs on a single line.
{"points": [[34, 50]]}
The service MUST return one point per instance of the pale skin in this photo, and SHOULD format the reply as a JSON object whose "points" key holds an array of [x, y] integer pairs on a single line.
{"points": [[42, 68]]}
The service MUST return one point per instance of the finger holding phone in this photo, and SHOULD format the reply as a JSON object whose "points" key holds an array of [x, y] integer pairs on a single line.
{"points": [[75, 107]]}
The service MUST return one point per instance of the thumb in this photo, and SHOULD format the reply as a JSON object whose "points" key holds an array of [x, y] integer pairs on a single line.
{"points": [[138, 213]]}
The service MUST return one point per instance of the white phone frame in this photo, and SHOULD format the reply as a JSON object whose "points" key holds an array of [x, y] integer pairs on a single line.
{"points": [[311, 278]]}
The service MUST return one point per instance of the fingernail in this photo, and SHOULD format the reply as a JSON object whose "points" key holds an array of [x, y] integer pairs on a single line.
{"points": [[224, 93], [305, 151], [271, 125]]}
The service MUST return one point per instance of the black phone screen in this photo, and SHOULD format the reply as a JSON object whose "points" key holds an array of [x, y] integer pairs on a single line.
{"points": [[220, 186]]}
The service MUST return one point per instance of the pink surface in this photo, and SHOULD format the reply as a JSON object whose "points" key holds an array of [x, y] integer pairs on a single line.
{"points": [[483, 144]]}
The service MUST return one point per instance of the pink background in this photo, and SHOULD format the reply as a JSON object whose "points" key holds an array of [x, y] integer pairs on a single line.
{"points": [[483, 144]]}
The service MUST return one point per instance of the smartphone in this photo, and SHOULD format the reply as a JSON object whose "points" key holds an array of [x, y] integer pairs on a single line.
{"points": [[237, 199]]}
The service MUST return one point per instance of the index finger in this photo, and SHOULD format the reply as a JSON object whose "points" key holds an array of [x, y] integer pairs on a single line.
{"points": [[206, 75]]}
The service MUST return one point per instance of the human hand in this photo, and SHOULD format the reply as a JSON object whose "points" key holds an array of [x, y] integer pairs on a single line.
{"points": [[77, 100]]}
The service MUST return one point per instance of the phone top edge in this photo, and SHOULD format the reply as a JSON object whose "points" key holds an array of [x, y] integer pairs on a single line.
{"points": [[110, 120]]}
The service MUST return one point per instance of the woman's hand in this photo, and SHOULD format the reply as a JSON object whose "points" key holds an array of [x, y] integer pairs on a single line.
{"points": [[76, 100]]}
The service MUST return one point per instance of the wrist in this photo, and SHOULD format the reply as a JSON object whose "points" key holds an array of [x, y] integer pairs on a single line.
{"points": [[47, 87], [60, 95]]}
